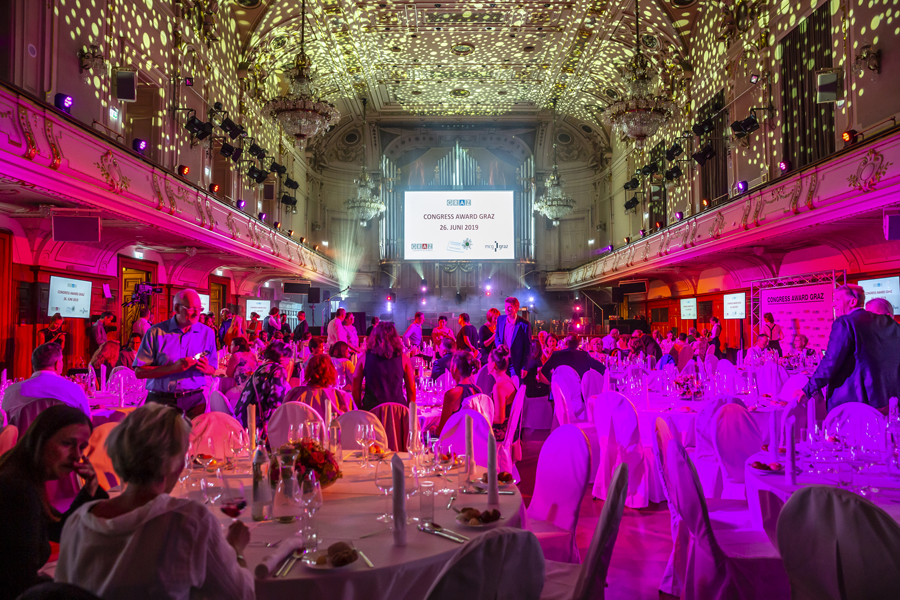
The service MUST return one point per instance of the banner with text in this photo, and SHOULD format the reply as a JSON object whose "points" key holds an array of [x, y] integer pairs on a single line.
{"points": [[804, 309], [71, 298]]}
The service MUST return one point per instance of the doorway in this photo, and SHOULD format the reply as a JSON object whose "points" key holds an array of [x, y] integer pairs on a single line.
{"points": [[218, 299], [130, 314]]}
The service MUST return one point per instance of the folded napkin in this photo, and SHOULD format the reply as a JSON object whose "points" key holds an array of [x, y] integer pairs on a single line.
{"points": [[493, 493], [810, 417], [271, 562], [606, 387], [328, 413], [790, 476], [121, 394], [414, 425], [470, 448], [773, 436], [399, 501]]}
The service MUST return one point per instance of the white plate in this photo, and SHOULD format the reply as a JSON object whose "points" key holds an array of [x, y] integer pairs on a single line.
{"points": [[769, 471], [500, 486], [459, 521], [309, 560]]}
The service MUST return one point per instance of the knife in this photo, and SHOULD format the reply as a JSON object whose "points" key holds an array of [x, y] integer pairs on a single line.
{"points": [[501, 492], [442, 534], [365, 558]]}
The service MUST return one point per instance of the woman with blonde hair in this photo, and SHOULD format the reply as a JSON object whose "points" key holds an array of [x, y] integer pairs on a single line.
{"points": [[107, 354], [487, 335], [385, 368], [320, 376], [236, 330]]}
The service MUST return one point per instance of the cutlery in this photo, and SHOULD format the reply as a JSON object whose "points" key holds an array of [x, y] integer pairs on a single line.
{"points": [[501, 492], [365, 558], [450, 504], [274, 544], [436, 529], [289, 563], [374, 533], [444, 529]]}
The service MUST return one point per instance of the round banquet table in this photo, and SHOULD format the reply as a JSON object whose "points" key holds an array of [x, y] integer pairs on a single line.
{"points": [[348, 512], [767, 492]]}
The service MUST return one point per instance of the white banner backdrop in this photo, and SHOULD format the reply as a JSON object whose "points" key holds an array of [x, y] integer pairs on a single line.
{"points": [[802, 309]]}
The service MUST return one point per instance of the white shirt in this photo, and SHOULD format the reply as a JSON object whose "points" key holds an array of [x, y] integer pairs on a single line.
{"points": [[609, 342], [336, 332], [45, 384], [162, 550], [352, 335]]}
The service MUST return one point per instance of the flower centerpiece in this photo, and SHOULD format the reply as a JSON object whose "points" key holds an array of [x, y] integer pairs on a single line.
{"points": [[311, 456], [688, 385]]}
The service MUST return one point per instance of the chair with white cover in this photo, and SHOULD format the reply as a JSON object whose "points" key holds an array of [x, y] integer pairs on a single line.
{"points": [[560, 483], [797, 409], [712, 364], [563, 415], [537, 413], [567, 581], [673, 577], [838, 546], [730, 562], [509, 450], [567, 379], [394, 418], [705, 461], [502, 563], [214, 427], [725, 369], [515, 380], [445, 381], [711, 350], [770, 379], [96, 454], [736, 437], [684, 357], [453, 435], [318, 398], [218, 403], [349, 422], [856, 423], [482, 404], [9, 435], [690, 368], [791, 386], [23, 416], [619, 438], [591, 385], [290, 413]]}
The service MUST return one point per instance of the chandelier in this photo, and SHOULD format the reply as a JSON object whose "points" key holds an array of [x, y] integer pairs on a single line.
{"points": [[641, 112], [367, 204], [555, 203], [303, 113]]}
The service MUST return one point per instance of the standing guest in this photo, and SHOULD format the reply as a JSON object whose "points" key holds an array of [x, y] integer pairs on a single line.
{"points": [[880, 306], [860, 363], [504, 390], [106, 355], [128, 353], [463, 367], [242, 362], [106, 545], [466, 337], [352, 333], [487, 334], [54, 332], [440, 333], [549, 348], [253, 326], [773, 332], [302, 327], [235, 330], [335, 328], [386, 370], [98, 330], [51, 449], [534, 387], [442, 365], [573, 356], [143, 322], [226, 320], [369, 329], [340, 357], [46, 381], [319, 387], [173, 356], [266, 388], [413, 334], [610, 340], [272, 323], [514, 333], [714, 336], [285, 329]]}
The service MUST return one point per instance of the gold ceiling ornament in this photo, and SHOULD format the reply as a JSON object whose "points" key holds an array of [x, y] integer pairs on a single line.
{"points": [[641, 113], [367, 204], [303, 113]]}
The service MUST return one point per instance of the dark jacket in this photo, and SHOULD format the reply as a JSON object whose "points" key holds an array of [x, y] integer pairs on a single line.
{"points": [[862, 362], [519, 346], [441, 366], [301, 330]]}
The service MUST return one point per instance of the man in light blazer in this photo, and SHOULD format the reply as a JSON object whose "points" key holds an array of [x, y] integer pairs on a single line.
{"points": [[514, 333]]}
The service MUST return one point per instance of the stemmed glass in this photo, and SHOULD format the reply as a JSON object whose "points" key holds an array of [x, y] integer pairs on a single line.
{"points": [[294, 432], [365, 437], [206, 459], [384, 481], [414, 447], [234, 500], [212, 487], [314, 430], [311, 500], [444, 462]]}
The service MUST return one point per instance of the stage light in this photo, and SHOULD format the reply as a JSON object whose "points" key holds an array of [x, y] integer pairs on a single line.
{"points": [[231, 128], [189, 81], [703, 127], [290, 233], [744, 127], [658, 225], [704, 154], [236, 154], [277, 168], [289, 201], [390, 297], [423, 301], [277, 224], [784, 165], [577, 325], [679, 216], [627, 240], [302, 240], [253, 172], [256, 151], [673, 173], [643, 232], [316, 248], [183, 170], [262, 216], [241, 204], [291, 184], [139, 145], [605, 249], [633, 184], [741, 187], [577, 307], [64, 103], [850, 137], [214, 188], [632, 203], [424, 286], [226, 150], [754, 79], [531, 299], [705, 202], [674, 152], [263, 175], [649, 169], [197, 128]]}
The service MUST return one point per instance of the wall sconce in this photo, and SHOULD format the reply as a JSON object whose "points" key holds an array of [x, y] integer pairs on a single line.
{"points": [[867, 59], [91, 59]]}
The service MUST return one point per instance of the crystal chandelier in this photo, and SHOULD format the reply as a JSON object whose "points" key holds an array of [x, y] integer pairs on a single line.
{"points": [[367, 204], [303, 113], [555, 203], [641, 112]]}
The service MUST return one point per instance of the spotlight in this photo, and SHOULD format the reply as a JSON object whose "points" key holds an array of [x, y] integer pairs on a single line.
{"points": [[231, 128], [632, 203], [643, 232], [262, 216], [705, 203], [183, 170], [198, 128], [784, 165], [189, 81], [424, 285], [741, 187], [674, 152], [302, 240], [276, 168], [704, 154], [316, 248], [241, 204], [627, 240], [703, 127], [262, 176], [633, 184], [850, 137], [256, 151], [291, 184], [290, 233], [227, 150], [605, 249], [255, 172], [423, 301], [277, 224], [649, 169], [754, 79], [236, 154], [744, 127], [658, 225], [679, 216], [390, 298], [139, 145], [214, 188], [673, 173], [288, 200]]}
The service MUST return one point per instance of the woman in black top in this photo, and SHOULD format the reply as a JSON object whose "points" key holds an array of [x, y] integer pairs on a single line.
{"points": [[51, 449], [54, 332], [386, 370], [533, 387], [487, 333], [467, 338], [463, 367]]}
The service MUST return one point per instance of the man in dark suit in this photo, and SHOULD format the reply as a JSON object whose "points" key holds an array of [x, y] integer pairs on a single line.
{"points": [[862, 362], [514, 333], [302, 327]]}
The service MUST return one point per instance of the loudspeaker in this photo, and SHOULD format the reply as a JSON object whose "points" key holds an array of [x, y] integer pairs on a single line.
{"points": [[126, 86], [637, 287], [618, 295], [314, 297], [296, 288], [891, 226], [76, 229]]}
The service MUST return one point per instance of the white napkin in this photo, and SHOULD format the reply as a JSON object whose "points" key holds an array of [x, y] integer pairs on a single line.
{"points": [[271, 562], [121, 393], [892, 412], [606, 387], [493, 493], [790, 477], [810, 416], [102, 383], [399, 501], [470, 448], [773, 436], [414, 425], [328, 411]]}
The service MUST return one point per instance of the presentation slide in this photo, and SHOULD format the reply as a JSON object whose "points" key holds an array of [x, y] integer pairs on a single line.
{"points": [[689, 308], [260, 307], [736, 306], [204, 302], [69, 297], [458, 225], [887, 288]]}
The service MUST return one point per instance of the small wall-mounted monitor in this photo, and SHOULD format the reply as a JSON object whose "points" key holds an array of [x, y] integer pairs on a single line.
{"points": [[735, 306], [260, 307], [71, 298], [886, 287], [688, 308]]}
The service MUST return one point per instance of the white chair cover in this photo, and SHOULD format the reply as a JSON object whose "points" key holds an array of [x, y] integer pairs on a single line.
{"points": [[588, 581], [838, 546], [736, 437], [482, 404], [770, 379], [502, 563], [569, 382], [710, 351], [684, 356], [317, 398], [591, 385], [445, 381], [726, 369], [348, 422], [712, 364], [215, 426], [9, 435], [857, 423], [798, 411], [515, 380], [619, 438], [690, 368], [703, 431], [728, 564], [394, 418], [673, 577], [560, 405], [485, 381], [560, 483], [790, 387], [291, 413], [119, 369], [454, 434], [96, 454], [218, 403]]}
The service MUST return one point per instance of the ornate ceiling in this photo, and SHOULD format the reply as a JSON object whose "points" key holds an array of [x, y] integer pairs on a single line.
{"points": [[462, 58]]}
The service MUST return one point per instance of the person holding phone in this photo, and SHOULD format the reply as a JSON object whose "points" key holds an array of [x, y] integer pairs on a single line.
{"points": [[174, 356]]}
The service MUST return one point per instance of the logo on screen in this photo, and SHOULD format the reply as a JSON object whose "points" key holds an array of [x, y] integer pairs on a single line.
{"points": [[455, 202], [422, 246], [496, 246]]}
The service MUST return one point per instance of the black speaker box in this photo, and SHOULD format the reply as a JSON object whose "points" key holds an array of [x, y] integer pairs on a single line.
{"points": [[314, 295]]}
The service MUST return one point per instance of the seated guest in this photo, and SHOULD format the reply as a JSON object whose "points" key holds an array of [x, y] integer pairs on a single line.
{"points": [[106, 355], [692, 335], [318, 387], [880, 306], [145, 543], [622, 348], [386, 370], [757, 352], [649, 346], [45, 382], [610, 339], [798, 346], [549, 347], [534, 387], [504, 389], [242, 362], [266, 387], [340, 356], [316, 346], [258, 341], [442, 365], [128, 353], [463, 368], [701, 345], [574, 357], [669, 341], [51, 449]]}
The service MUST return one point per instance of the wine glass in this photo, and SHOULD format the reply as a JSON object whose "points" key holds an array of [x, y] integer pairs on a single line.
{"points": [[444, 462], [294, 432], [311, 501], [362, 438], [204, 458], [414, 448], [384, 481], [234, 501], [212, 487], [314, 429]]}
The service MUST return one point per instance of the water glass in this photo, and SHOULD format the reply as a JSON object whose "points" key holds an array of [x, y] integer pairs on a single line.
{"points": [[426, 502], [462, 473], [384, 481]]}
